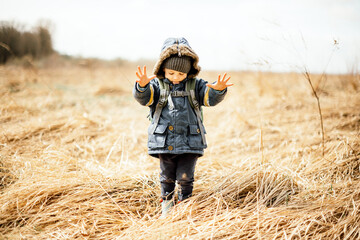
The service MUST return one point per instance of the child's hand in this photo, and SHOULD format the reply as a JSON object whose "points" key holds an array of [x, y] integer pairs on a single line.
{"points": [[143, 78], [220, 84]]}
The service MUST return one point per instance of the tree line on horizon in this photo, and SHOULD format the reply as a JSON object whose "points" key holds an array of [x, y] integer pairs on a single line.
{"points": [[17, 43]]}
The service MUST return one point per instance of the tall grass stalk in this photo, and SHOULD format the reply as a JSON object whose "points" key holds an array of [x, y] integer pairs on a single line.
{"points": [[307, 76]]}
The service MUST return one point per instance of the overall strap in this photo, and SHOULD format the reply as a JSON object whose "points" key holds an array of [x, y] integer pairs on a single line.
{"points": [[164, 93], [190, 87], [180, 94]]}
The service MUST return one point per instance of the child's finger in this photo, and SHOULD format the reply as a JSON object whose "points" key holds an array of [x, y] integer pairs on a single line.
{"points": [[152, 77], [219, 77], [229, 85], [139, 70], [227, 80], [137, 74], [224, 77], [144, 69]]}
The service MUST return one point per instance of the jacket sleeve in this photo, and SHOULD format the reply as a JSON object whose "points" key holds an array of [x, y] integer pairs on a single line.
{"points": [[207, 96], [147, 95]]}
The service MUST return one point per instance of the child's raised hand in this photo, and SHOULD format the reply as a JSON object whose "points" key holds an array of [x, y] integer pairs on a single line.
{"points": [[221, 83], [143, 78]]}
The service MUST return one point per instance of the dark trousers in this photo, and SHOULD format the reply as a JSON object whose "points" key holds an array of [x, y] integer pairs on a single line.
{"points": [[177, 168]]}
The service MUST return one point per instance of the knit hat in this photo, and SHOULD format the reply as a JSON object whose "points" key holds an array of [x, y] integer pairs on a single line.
{"points": [[180, 64]]}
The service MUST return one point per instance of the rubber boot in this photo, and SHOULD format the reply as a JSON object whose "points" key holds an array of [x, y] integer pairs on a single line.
{"points": [[166, 206]]}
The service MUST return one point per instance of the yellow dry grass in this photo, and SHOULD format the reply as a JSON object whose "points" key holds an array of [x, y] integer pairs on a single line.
{"points": [[73, 161]]}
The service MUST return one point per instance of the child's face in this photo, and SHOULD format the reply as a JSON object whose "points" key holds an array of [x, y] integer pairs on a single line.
{"points": [[174, 76]]}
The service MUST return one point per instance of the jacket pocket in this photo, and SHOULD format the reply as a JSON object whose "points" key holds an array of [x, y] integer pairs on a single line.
{"points": [[157, 140], [195, 140]]}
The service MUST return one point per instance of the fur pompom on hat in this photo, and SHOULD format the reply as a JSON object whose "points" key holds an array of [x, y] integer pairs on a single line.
{"points": [[179, 48], [180, 64]]}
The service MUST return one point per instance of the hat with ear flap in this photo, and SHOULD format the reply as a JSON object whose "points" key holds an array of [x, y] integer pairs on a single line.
{"points": [[177, 53]]}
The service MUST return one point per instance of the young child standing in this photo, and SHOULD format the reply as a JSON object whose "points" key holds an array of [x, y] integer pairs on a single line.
{"points": [[176, 134]]}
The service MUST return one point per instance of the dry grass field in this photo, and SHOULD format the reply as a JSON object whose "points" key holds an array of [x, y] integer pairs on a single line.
{"points": [[73, 161]]}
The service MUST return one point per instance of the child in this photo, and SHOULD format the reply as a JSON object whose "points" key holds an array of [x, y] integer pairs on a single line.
{"points": [[176, 133]]}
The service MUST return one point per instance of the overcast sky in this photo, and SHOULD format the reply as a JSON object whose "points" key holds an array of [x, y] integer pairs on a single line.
{"points": [[276, 35]]}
